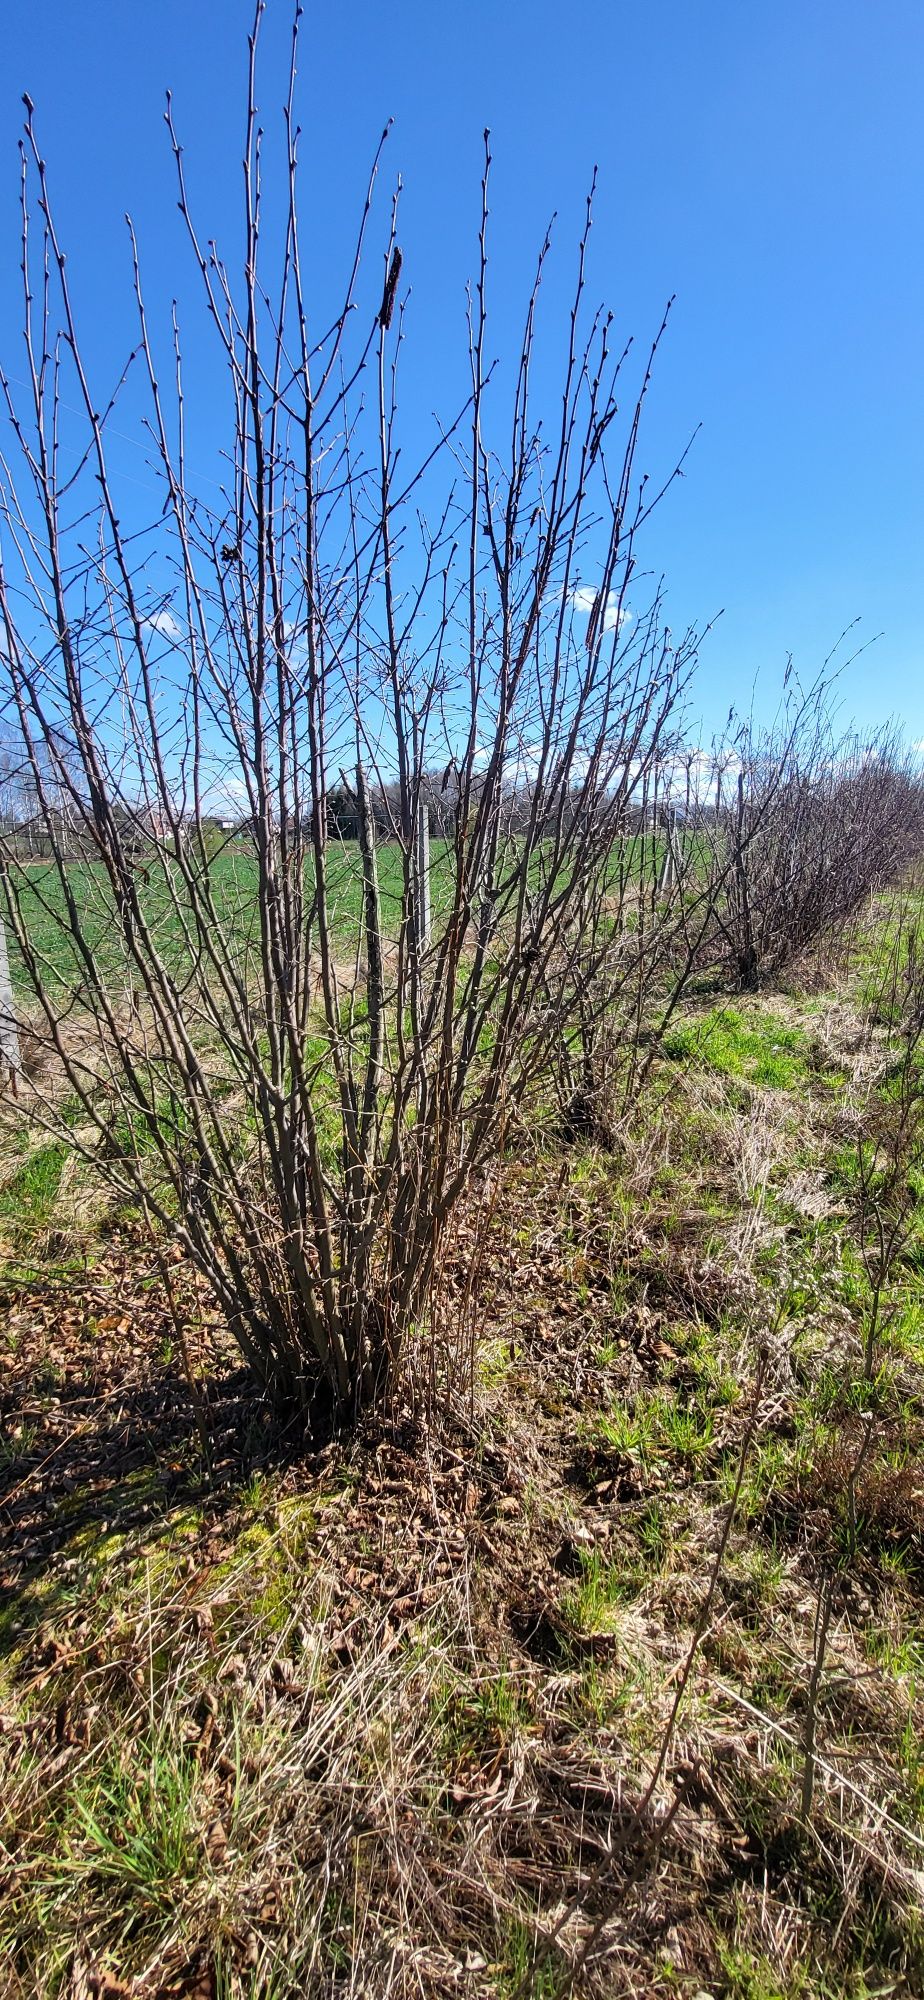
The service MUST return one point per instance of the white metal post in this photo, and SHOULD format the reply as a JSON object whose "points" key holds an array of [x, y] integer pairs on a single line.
{"points": [[422, 921], [9, 1031]]}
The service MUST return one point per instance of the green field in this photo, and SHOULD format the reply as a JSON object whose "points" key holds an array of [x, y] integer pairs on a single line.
{"points": [[232, 885]]}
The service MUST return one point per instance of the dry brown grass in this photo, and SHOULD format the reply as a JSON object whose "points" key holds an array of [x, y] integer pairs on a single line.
{"points": [[382, 1722]]}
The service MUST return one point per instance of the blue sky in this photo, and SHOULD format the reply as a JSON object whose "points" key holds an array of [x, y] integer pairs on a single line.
{"points": [[763, 163]]}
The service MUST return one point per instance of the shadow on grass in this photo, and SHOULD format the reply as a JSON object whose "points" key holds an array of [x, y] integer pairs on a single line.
{"points": [[81, 1470]]}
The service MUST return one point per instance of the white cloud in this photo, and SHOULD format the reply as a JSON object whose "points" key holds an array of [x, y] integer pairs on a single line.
{"points": [[164, 623], [584, 597]]}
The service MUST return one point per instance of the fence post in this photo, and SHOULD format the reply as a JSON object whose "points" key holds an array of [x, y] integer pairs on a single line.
{"points": [[372, 909], [422, 919], [420, 853], [668, 877], [9, 1031]]}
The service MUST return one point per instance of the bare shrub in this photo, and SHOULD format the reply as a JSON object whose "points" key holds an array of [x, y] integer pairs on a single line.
{"points": [[806, 826], [293, 1047]]}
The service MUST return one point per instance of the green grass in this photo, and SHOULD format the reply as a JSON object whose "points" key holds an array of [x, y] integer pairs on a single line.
{"points": [[757, 1049], [752, 1978], [598, 1599], [524, 1968], [135, 1829], [658, 1426], [28, 1198], [124, 1837], [473, 1719]]}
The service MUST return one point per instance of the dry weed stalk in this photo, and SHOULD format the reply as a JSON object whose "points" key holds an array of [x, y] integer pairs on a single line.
{"points": [[819, 1646]]}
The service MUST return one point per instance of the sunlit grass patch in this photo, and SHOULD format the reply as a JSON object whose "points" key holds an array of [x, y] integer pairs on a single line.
{"points": [[596, 1603], [28, 1198], [525, 1964], [757, 1048], [135, 1831], [657, 1426]]}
